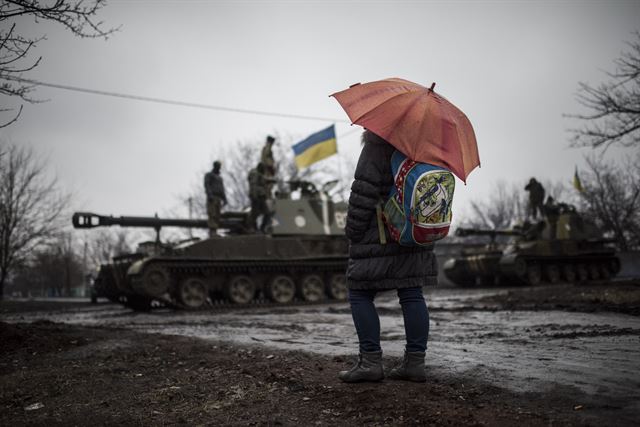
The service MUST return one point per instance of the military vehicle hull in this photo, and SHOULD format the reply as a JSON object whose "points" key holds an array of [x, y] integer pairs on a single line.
{"points": [[493, 267], [303, 257], [568, 248], [112, 281], [278, 269]]}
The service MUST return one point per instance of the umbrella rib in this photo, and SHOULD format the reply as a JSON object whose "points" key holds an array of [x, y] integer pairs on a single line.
{"points": [[405, 114], [371, 94], [383, 106], [464, 171]]}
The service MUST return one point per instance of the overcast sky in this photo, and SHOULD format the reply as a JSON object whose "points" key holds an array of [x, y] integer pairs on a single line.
{"points": [[512, 67]]}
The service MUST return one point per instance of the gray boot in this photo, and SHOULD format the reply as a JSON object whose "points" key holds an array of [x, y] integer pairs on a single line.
{"points": [[368, 368], [411, 369]]}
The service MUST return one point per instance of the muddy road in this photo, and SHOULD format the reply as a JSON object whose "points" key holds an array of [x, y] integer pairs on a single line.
{"points": [[580, 344]]}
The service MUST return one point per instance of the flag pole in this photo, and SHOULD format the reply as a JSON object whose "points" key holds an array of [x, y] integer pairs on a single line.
{"points": [[340, 177]]}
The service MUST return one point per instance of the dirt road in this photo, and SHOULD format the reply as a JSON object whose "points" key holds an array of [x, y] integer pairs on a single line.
{"points": [[548, 354]]}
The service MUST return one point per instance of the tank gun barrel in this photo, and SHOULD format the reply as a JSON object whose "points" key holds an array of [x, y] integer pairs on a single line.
{"points": [[91, 220]]}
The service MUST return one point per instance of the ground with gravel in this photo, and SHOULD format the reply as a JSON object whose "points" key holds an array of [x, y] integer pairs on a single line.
{"points": [[615, 297], [67, 375], [55, 373]]}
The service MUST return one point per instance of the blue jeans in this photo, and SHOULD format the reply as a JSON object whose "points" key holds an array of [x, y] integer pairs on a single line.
{"points": [[367, 323]]}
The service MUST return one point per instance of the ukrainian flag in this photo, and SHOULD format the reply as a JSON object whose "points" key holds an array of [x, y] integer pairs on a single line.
{"points": [[316, 147]]}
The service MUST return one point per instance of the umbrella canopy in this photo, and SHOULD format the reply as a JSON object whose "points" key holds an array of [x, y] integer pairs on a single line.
{"points": [[419, 122]]}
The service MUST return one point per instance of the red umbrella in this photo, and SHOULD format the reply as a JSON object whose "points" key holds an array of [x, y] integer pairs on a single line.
{"points": [[416, 120]]}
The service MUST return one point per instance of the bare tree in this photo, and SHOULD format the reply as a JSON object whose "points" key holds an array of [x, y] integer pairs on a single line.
{"points": [[54, 269], [236, 164], [502, 209], [104, 244], [57, 266], [612, 199], [16, 58], [30, 207], [507, 205], [614, 106], [238, 160], [560, 191]]}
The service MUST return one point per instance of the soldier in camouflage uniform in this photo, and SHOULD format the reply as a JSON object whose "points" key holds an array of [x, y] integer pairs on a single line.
{"points": [[266, 157], [536, 198], [216, 197], [259, 193]]}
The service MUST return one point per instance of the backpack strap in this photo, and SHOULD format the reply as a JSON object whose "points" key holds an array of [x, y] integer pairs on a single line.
{"points": [[381, 234]]}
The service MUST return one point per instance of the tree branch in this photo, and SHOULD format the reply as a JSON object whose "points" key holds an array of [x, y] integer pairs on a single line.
{"points": [[77, 16], [614, 107]]}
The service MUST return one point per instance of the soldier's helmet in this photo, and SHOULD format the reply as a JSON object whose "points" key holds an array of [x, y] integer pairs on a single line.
{"points": [[217, 164], [270, 139]]}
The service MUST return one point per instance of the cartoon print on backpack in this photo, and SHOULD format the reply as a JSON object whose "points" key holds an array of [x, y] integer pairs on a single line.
{"points": [[417, 211], [434, 191]]}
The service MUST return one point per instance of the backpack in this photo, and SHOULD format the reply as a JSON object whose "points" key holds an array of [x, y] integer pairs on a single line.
{"points": [[417, 211]]}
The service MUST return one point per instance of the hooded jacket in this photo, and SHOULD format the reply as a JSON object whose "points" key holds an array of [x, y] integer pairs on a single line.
{"points": [[371, 264]]}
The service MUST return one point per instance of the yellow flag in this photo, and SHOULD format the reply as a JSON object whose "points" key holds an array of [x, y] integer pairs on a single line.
{"points": [[577, 184], [316, 147]]}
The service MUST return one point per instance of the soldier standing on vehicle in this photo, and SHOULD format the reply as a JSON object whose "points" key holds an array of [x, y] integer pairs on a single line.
{"points": [[216, 197], [266, 157], [536, 198], [259, 194]]}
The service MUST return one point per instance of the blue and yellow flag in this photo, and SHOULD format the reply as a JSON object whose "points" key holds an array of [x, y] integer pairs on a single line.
{"points": [[316, 147]]}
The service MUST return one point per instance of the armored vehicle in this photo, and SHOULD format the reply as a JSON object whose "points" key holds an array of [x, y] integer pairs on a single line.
{"points": [[302, 257], [563, 246]]}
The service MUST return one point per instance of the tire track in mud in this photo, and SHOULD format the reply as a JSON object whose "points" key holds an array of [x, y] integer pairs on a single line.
{"points": [[593, 352]]}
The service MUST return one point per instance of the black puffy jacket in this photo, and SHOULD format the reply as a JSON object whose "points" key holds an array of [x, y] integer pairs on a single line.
{"points": [[371, 264]]}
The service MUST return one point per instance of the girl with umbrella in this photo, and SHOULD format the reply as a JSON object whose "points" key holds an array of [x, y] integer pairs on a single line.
{"points": [[374, 267], [424, 126]]}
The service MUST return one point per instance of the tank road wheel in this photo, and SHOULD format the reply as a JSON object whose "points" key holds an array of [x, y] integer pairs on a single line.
{"points": [[582, 272], [240, 289], [594, 271], [519, 268], [311, 288], [281, 289], [569, 273], [613, 266], [155, 281], [337, 287], [534, 274], [192, 292], [552, 273], [605, 272]]}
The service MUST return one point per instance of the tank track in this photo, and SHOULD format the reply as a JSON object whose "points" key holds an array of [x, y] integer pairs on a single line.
{"points": [[180, 269], [533, 270], [221, 306]]}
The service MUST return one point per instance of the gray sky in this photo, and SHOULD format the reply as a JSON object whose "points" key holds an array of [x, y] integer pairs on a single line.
{"points": [[512, 67]]}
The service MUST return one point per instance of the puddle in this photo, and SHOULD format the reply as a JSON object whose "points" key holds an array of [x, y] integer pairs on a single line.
{"points": [[597, 353]]}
